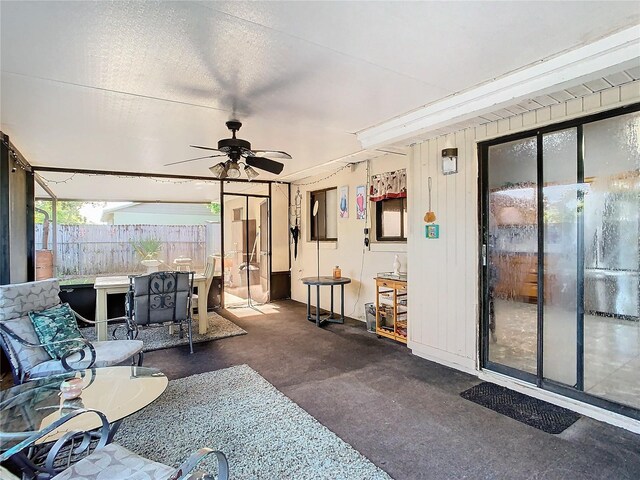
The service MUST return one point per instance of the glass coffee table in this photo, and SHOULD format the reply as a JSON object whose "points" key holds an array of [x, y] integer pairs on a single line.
{"points": [[117, 392]]}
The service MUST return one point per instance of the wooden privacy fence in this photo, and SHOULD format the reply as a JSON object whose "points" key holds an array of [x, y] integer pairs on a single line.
{"points": [[90, 250]]}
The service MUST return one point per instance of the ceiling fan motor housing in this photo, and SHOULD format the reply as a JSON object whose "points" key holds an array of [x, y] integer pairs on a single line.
{"points": [[234, 146], [230, 144]]}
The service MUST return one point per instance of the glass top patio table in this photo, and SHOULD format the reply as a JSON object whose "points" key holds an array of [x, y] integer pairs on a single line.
{"points": [[117, 392]]}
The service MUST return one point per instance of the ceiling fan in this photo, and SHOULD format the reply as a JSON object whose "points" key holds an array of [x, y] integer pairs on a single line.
{"points": [[238, 149]]}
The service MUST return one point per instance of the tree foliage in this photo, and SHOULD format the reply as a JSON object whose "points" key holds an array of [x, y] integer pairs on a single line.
{"points": [[215, 208], [68, 212]]}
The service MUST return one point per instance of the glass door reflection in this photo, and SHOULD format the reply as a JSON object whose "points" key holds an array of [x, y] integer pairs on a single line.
{"points": [[512, 251], [561, 305], [246, 248]]}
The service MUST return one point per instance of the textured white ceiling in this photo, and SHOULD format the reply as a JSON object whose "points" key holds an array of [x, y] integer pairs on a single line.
{"points": [[129, 85]]}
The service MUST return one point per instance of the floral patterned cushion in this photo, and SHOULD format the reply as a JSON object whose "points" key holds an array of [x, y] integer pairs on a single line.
{"points": [[115, 462], [55, 324]]}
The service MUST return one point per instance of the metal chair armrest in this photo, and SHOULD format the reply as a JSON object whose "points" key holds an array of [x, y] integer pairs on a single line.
{"points": [[81, 351], [22, 341], [183, 472], [95, 322], [132, 329], [31, 440]]}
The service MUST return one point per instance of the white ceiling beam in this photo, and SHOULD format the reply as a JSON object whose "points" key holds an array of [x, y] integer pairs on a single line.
{"points": [[618, 51]]}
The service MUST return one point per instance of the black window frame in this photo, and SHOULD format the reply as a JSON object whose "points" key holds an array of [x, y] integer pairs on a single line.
{"points": [[312, 223], [380, 210]]}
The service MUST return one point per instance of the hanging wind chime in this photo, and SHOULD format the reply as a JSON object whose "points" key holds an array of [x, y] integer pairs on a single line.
{"points": [[295, 230]]}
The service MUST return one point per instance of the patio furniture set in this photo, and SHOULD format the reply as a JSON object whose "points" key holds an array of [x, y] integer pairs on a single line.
{"points": [[70, 395]]}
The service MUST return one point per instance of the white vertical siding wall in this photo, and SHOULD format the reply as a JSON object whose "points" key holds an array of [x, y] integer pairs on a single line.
{"points": [[443, 273], [279, 228]]}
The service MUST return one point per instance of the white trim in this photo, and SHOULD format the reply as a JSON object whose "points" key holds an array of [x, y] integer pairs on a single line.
{"points": [[585, 63], [553, 121], [560, 400], [397, 247], [448, 359], [324, 244]]}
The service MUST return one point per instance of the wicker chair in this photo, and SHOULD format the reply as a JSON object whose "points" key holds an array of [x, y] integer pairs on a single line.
{"points": [[23, 349]]}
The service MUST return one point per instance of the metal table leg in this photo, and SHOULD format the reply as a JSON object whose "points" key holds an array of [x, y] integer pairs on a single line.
{"points": [[317, 305], [342, 302], [331, 316], [308, 302]]}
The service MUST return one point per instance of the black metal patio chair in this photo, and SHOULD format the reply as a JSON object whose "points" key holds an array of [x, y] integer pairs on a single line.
{"points": [[160, 298]]}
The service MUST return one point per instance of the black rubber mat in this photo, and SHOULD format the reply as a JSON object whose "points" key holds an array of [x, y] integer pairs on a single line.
{"points": [[531, 411]]}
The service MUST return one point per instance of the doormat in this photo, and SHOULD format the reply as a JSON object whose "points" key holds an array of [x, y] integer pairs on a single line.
{"points": [[531, 411]]}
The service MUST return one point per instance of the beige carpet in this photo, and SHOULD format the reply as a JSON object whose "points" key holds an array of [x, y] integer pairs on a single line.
{"points": [[262, 432]]}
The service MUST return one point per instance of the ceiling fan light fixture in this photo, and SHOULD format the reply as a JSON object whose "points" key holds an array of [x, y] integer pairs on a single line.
{"points": [[233, 169], [250, 172], [239, 152], [218, 170]]}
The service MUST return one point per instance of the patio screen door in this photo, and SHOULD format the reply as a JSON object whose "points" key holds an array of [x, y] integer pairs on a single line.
{"points": [[246, 240]]}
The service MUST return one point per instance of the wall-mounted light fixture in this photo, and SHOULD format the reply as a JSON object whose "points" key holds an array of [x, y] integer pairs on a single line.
{"points": [[449, 161]]}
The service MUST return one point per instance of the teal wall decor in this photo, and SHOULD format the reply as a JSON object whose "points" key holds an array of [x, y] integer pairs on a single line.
{"points": [[432, 231]]}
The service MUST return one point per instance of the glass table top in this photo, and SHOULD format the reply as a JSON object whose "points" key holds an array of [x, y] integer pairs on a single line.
{"points": [[115, 391]]}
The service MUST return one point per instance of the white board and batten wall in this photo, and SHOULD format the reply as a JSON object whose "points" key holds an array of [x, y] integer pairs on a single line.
{"points": [[443, 278], [348, 252]]}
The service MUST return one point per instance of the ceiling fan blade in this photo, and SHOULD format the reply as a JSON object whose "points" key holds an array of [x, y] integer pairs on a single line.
{"points": [[265, 164], [192, 159], [206, 148], [273, 153]]}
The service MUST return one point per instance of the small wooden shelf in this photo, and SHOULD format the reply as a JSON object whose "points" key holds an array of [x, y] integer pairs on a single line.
{"points": [[391, 315]]}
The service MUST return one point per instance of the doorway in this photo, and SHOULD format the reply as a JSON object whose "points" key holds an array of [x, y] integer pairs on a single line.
{"points": [[246, 274], [561, 258]]}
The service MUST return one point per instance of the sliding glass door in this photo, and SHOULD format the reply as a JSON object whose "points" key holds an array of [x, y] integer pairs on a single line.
{"points": [[512, 248], [561, 243]]}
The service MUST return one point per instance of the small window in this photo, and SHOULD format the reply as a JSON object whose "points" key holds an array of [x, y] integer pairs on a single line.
{"points": [[325, 227], [391, 220], [237, 214]]}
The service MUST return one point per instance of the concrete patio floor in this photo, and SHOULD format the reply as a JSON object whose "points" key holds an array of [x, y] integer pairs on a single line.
{"points": [[403, 412]]}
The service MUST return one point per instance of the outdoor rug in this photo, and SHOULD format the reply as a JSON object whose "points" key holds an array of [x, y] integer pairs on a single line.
{"points": [[531, 411], [156, 338], [263, 434]]}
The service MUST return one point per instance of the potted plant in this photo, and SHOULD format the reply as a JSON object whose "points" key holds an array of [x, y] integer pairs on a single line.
{"points": [[148, 250]]}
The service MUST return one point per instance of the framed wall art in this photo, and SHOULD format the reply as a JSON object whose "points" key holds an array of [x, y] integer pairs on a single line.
{"points": [[361, 204], [343, 202]]}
